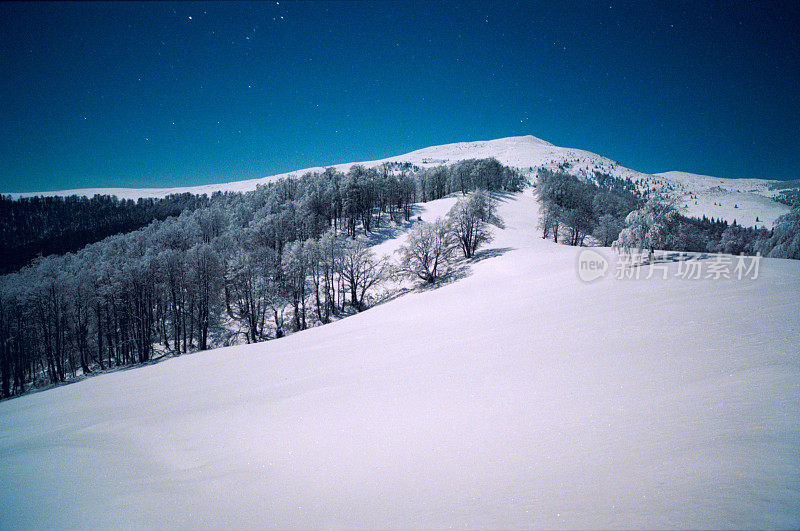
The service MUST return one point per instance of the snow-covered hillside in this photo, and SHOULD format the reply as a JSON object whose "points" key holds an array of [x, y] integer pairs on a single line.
{"points": [[515, 397], [523, 152], [742, 200]]}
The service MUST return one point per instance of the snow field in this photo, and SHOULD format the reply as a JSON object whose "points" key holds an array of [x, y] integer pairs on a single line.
{"points": [[516, 397]]}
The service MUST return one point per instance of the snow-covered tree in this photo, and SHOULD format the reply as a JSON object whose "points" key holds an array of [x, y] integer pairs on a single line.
{"points": [[429, 251], [607, 230], [361, 270], [785, 239], [567, 202], [649, 226], [295, 271], [204, 282], [734, 240], [246, 281], [331, 254], [468, 221]]}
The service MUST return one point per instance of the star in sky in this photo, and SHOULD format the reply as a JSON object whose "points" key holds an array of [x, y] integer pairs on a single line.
{"points": [[188, 72]]}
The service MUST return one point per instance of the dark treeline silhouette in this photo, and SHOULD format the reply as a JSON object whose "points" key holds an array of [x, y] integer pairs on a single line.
{"points": [[56, 225], [244, 267], [789, 197]]}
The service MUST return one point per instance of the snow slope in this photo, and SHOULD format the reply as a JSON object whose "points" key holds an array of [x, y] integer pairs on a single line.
{"points": [[521, 152], [515, 397], [742, 200]]}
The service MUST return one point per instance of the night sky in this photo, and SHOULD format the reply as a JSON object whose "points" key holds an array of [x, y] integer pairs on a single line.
{"points": [[173, 94]]}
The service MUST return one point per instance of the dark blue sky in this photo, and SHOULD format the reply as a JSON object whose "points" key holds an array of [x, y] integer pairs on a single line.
{"points": [[170, 94]]}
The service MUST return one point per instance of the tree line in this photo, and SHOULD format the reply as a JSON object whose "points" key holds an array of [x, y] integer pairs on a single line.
{"points": [[612, 212], [245, 267], [572, 209], [56, 225]]}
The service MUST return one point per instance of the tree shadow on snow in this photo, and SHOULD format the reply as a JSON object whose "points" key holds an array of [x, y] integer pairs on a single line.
{"points": [[480, 256], [390, 230], [675, 256], [502, 196], [463, 268]]}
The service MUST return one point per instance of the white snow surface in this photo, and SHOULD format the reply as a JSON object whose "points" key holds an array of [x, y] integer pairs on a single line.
{"points": [[514, 397], [740, 200]]}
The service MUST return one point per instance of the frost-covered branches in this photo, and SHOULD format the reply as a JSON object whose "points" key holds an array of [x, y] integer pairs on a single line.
{"points": [[574, 209], [649, 226], [429, 251], [212, 271], [785, 239], [361, 270], [468, 221]]}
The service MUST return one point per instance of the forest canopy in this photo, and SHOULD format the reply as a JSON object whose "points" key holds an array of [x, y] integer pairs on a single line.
{"points": [[197, 271]]}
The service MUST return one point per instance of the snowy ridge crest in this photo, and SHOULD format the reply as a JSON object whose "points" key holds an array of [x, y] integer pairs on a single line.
{"points": [[748, 201]]}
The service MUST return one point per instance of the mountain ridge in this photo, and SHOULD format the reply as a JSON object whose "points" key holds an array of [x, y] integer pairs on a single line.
{"points": [[512, 148], [746, 201]]}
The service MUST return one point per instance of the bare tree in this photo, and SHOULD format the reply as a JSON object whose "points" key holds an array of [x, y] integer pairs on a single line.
{"points": [[468, 219], [361, 270], [429, 251], [607, 230]]}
